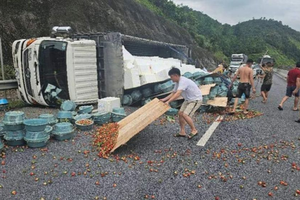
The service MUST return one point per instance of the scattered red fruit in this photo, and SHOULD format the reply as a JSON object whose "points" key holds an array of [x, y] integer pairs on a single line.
{"points": [[239, 144], [2, 162], [73, 174], [14, 192], [97, 183], [114, 185], [31, 173], [152, 197], [298, 191], [270, 194]]}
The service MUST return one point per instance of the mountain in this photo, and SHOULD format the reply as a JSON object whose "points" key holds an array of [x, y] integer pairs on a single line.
{"points": [[254, 37], [34, 18]]}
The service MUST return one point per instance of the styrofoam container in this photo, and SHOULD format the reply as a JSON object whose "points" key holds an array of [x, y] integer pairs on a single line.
{"points": [[131, 78], [162, 75], [107, 104], [143, 68], [148, 78]]}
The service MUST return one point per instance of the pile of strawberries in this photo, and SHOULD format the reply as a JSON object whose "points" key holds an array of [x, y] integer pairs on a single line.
{"points": [[105, 139]]}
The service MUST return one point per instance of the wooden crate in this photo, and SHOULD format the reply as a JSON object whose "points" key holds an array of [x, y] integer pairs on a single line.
{"points": [[140, 119]]}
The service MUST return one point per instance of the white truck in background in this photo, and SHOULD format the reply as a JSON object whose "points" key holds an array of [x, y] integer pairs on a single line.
{"points": [[236, 60], [87, 67]]}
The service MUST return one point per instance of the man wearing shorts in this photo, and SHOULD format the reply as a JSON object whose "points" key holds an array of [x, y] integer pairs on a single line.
{"points": [[192, 101], [246, 81], [291, 89], [267, 81]]}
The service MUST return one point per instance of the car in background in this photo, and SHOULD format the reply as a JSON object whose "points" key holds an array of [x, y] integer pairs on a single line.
{"points": [[256, 70]]}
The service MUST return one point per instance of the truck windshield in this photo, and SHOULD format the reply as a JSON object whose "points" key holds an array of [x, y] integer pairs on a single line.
{"points": [[53, 71]]}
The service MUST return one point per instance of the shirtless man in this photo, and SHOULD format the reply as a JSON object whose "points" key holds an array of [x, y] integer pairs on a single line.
{"points": [[246, 81]]}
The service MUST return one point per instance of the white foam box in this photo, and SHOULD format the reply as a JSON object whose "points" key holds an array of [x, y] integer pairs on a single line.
{"points": [[108, 104], [162, 75], [148, 78], [131, 78], [127, 57]]}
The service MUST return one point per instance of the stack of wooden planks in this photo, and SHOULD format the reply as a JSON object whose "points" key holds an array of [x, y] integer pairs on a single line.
{"points": [[140, 119]]}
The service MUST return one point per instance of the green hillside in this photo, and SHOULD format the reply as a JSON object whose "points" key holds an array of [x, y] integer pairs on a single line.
{"points": [[253, 37]]}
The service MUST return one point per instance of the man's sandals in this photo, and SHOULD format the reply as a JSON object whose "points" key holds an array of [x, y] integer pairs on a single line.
{"points": [[191, 135]]}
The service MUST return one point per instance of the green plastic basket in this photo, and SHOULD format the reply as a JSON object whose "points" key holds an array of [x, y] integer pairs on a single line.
{"points": [[37, 143]]}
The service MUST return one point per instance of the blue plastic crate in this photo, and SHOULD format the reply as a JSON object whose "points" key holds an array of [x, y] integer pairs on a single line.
{"points": [[16, 135], [14, 118], [85, 109], [62, 128], [64, 114], [35, 125], [16, 127], [15, 142], [37, 143], [127, 100], [84, 127], [68, 106], [49, 117], [1, 144], [117, 117], [38, 135], [172, 112], [64, 136]]}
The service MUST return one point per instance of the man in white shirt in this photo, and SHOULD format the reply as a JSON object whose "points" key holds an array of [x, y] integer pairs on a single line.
{"points": [[193, 99]]}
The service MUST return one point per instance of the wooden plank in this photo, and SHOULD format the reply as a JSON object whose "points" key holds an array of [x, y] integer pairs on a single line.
{"points": [[138, 120], [205, 89], [131, 117], [140, 117], [218, 102], [136, 125]]}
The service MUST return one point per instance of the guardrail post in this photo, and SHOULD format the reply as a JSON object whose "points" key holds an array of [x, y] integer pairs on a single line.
{"points": [[1, 60]]}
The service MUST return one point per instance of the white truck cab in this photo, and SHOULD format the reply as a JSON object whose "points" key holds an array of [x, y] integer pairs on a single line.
{"points": [[46, 67]]}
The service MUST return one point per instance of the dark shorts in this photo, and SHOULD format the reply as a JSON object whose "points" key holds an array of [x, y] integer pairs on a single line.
{"points": [[244, 88], [265, 88], [289, 91]]}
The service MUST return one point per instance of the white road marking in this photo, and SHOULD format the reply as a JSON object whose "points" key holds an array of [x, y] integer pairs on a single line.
{"points": [[210, 131]]}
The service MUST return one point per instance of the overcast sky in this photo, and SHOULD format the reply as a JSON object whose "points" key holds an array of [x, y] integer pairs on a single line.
{"points": [[234, 11]]}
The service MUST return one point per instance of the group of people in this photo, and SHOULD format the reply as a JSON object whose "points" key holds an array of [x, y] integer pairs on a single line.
{"points": [[246, 83], [193, 98]]}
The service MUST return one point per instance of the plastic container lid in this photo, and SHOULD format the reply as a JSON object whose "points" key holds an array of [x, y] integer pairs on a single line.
{"points": [[82, 116], [13, 118], [100, 116], [64, 115], [119, 111], [85, 109], [68, 105], [49, 117]]}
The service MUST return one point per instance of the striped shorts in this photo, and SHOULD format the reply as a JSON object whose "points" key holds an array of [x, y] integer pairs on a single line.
{"points": [[189, 107]]}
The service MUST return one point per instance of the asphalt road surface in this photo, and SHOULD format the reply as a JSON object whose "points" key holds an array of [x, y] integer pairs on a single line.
{"points": [[246, 159]]}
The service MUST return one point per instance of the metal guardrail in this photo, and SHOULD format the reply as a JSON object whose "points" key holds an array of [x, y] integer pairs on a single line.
{"points": [[8, 84]]}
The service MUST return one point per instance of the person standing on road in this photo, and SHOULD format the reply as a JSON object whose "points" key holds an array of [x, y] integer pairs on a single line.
{"points": [[246, 81], [192, 101], [293, 77], [267, 81]]}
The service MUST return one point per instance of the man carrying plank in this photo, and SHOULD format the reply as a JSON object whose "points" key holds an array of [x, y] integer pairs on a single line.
{"points": [[192, 100]]}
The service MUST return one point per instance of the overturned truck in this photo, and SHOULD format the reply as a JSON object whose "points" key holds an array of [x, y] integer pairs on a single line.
{"points": [[87, 67]]}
